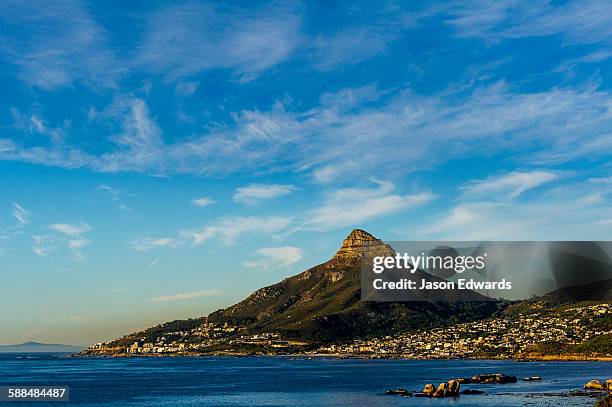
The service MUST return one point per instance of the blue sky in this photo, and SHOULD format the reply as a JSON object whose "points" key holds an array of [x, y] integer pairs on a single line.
{"points": [[160, 160]]}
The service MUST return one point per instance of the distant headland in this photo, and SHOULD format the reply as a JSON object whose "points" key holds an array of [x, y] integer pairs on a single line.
{"points": [[32, 347]]}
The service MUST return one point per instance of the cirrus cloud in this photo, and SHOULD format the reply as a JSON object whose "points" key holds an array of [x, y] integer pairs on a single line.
{"points": [[70, 229], [203, 201], [509, 185], [187, 295], [275, 257], [254, 193], [350, 207]]}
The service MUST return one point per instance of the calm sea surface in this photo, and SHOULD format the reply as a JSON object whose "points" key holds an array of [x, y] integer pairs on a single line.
{"points": [[262, 381]]}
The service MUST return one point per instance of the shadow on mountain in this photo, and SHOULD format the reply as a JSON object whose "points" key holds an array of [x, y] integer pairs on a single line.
{"points": [[583, 270]]}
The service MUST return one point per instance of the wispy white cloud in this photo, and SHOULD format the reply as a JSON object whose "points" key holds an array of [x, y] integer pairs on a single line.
{"points": [[203, 201], [187, 39], [586, 22], [254, 193], [509, 185], [275, 257], [352, 206], [140, 143], [70, 235], [225, 230], [605, 180], [77, 244], [348, 47], [186, 88], [112, 192], [22, 215], [56, 44], [79, 257], [148, 243], [404, 133], [34, 124], [40, 251], [116, 196], [340, 208], [70, 229], [568, 212], [589, 58], [198, 236], [137, 146], [229, 229], [187, 295], [43, 244], [125, 208]]}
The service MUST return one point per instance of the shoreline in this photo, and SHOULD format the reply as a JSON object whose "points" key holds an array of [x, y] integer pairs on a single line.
{"points": [[538, 358]]}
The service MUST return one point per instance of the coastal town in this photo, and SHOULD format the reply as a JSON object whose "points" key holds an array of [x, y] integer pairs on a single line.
{"points": [[503, 337]]}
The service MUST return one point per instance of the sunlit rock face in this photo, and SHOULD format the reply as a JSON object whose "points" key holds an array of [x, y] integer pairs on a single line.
{"points": [[360, 243]]}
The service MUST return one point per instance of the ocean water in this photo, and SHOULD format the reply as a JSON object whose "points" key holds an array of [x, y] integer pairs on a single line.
{"points": [[277, 381]]}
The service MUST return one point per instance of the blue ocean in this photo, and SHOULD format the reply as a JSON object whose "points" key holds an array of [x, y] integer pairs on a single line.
{"points": [[279, 381]]}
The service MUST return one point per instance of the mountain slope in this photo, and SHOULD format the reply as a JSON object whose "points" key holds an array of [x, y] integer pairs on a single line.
{"points": [[323, 302]]}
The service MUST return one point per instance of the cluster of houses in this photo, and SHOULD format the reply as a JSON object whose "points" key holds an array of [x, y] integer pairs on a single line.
{"points": [[194, 340], [203, 338], [499, 337]]}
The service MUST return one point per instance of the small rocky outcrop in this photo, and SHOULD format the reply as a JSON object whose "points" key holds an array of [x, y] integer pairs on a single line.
{"points": [[440, 390], [335, 275], [429, 389], [398, 392], [494, 378], [599, 385], [471, 391], [605, 402], [595, 385], [452, 388], [448, 389]]}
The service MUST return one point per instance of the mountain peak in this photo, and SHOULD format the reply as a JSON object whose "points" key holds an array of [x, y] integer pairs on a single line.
{"points": [[360, 242]]}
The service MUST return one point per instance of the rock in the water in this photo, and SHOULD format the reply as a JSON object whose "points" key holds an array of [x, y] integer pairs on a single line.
{"points": [[429, 389], [448, 389], [595, 385], [398, 392], [472, 391], [494, 378], [609, 384], [605, 402], [440, 391], [532, 379], [506, 379], [452, 388]]}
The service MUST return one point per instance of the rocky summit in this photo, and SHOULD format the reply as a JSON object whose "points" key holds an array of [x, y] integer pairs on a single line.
{"points": [[360, 243]]}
